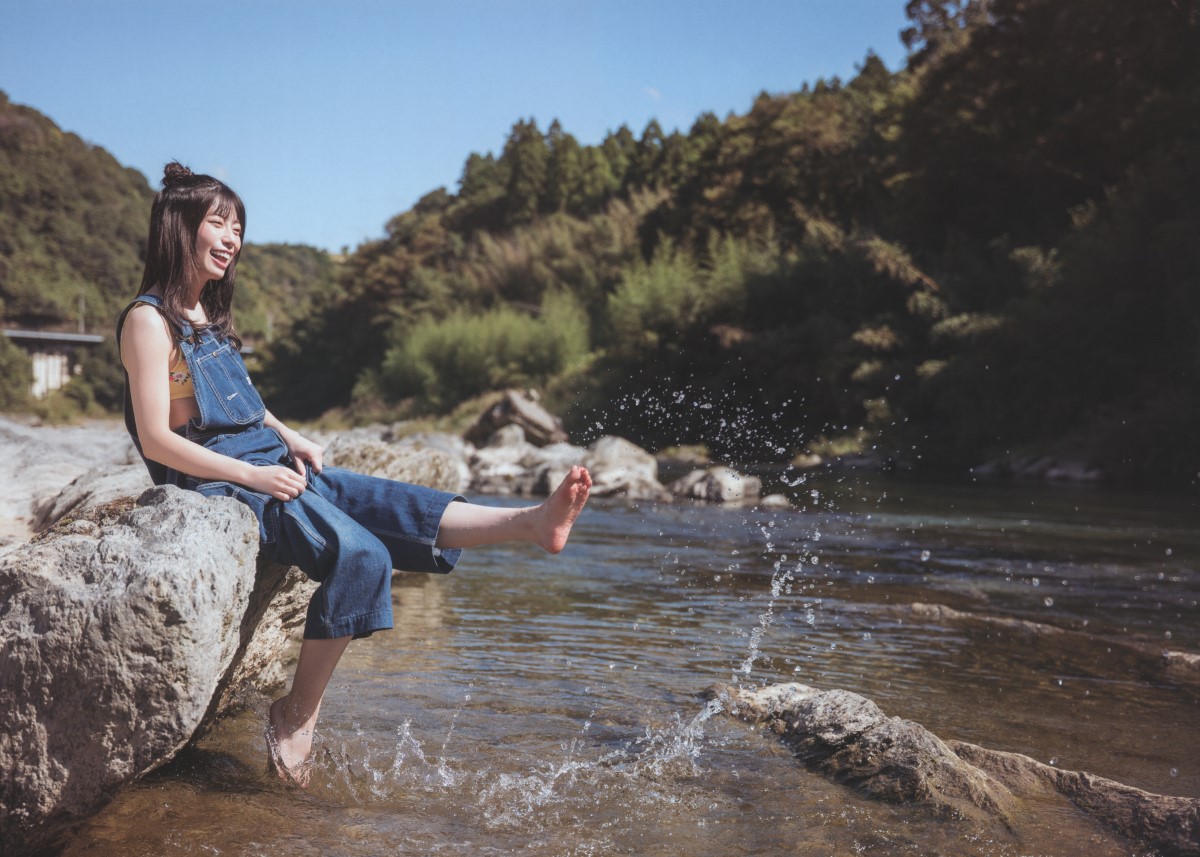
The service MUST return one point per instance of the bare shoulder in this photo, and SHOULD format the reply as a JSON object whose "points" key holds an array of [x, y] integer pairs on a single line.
{"points": [[145, 335]]}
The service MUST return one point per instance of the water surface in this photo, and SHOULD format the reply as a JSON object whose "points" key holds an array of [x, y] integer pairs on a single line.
{"points": [[539, 705]]}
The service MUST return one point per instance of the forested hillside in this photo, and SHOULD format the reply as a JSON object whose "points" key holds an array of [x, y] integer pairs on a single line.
{"points": [[991, 250], [73, 227]]}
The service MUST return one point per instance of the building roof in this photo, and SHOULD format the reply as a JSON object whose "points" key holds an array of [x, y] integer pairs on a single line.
{"points": [[52, 336]]}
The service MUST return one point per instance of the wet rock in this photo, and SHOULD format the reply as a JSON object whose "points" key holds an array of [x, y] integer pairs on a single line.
{"points": [[540, 427], [717, 485], [93, 488], [1170, 825], [775, 501], [847, 738], [412, 460], [117, 646], [619, 467]]}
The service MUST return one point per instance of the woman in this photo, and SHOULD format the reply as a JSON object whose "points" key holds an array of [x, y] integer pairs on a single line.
{"points": [[198, 423]]}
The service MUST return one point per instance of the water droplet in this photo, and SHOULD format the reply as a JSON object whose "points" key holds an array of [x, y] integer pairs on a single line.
{"points": [[1168, 553], [1048, 601], [1054, 761], [866, 635], [1036, 582], [925, 556], [1167, 635], [1174, 771]]}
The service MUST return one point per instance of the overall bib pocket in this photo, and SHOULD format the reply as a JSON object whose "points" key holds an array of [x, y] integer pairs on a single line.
{"points": [[226, 377]]}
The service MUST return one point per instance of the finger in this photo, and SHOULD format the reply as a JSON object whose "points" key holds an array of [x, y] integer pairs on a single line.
{"points": [[298, 465]]}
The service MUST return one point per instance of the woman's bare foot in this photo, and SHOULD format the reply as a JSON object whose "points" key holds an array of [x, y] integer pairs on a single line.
{"points": [[288, 748], [561, 508]]}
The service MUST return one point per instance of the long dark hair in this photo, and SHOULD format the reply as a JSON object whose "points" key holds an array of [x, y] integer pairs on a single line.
{"points": [[179, 208]]}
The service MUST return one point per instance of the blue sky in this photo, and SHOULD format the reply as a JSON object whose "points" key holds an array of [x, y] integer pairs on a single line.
{"points": [[330, 118]]}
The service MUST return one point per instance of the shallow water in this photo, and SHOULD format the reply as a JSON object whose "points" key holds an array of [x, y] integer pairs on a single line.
{"points": [[529, 704]]}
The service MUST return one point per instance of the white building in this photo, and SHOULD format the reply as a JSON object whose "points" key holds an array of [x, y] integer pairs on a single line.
{"points": [[55, 356]]}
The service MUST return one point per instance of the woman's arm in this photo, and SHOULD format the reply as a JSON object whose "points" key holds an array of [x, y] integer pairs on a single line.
{"points": [[146, 353], [301, 448]]}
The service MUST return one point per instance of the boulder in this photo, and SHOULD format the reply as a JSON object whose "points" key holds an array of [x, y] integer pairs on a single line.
{"points": [[412, 460], [118, 645], [509, 464], [717, 485], [847, 738], [541, 428], [620, 467]]}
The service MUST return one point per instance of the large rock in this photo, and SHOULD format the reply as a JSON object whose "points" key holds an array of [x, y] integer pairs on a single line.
{"points": [[541, 428], [509, 464], [717, 485], [847, 738], [122, 633], [620, 467], [415, 460]]}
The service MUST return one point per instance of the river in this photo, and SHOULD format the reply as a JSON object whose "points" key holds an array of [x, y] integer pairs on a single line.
{"points": [[553, 705]]}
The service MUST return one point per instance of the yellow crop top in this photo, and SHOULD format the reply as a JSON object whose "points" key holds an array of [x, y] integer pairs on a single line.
{"points": [[181, 381]]}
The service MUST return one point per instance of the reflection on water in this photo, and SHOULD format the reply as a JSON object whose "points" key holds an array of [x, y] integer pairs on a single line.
{"points": [[553, 705]]}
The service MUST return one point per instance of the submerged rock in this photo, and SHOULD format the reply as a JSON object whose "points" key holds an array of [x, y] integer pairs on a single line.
{"points": [[1046, 467], [1148, 660], [116, 645], [847, 738]]}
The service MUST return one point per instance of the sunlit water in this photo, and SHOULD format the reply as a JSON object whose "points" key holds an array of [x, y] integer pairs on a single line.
{"points": [[538, 705]]}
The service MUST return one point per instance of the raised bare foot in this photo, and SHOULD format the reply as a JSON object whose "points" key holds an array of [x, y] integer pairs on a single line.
{"points": [[287, 750], [562, 508]]}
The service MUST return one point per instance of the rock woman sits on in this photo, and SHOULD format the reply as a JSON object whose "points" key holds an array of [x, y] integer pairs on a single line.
{"points": [[198, 423]]}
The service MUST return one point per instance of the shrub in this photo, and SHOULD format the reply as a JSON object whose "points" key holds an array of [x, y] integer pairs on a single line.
{"points": [[443, 362]]}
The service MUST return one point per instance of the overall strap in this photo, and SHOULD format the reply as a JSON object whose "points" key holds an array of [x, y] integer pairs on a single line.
{"points": [[185, 329]]}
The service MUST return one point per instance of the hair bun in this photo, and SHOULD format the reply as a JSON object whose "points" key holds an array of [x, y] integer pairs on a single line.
{"points": [[174, 173]]}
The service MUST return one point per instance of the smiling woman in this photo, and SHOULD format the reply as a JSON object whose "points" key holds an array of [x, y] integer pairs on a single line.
{"points": [[199, 423]]}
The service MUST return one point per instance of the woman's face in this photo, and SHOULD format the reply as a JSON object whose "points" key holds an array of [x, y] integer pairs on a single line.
{"points": [[218, 243]]}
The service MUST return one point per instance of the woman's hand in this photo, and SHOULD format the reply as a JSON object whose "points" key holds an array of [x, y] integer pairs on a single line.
{"points": [[280, 482], [303, 450]]}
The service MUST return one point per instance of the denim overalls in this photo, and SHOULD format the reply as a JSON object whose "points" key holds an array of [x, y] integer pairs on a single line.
{"points": [[346, 531]]}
